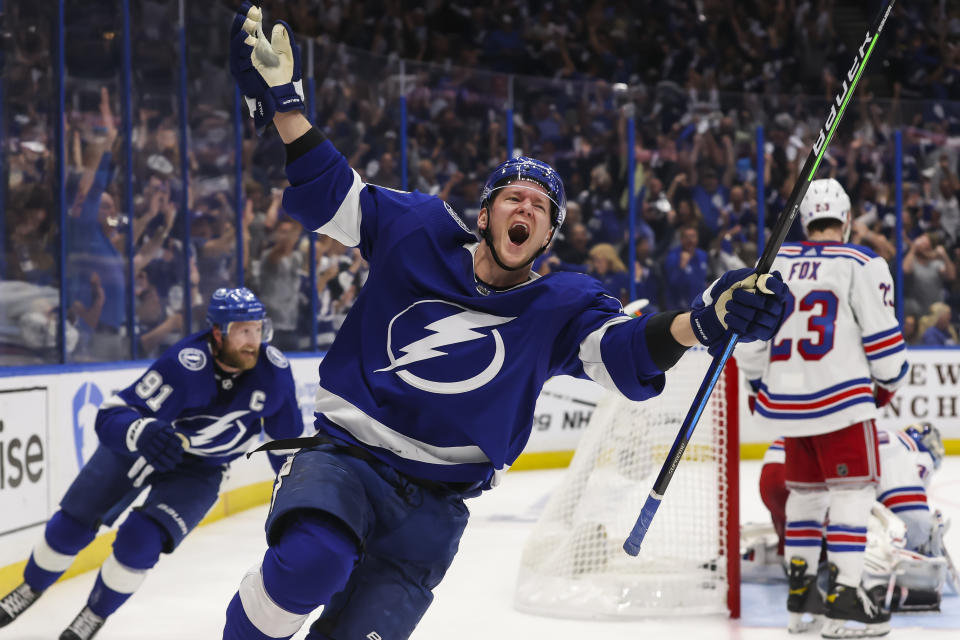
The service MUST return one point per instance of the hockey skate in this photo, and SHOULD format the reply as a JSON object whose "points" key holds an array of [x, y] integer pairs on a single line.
{"points": [[804, 602], [84, 626], [16, 602], [854, 612]]}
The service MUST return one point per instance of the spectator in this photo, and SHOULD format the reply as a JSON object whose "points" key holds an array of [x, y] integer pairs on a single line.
{"points": [[280, 283], [606, 266], [685, 269], [927, 268], [575, 250], [911, 334], [95, 241], [936, 327], [158, 327], [646, 278]]}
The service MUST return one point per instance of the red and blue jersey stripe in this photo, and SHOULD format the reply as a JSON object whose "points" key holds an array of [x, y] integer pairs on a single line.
{"points": [[784, 406], [860, 255], [803, 533], [908, 443], [905, 499], [883, 344], [843, 538]]}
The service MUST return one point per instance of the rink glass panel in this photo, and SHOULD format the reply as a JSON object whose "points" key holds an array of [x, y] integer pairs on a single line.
{"points": [[158, 184], [456, 123], [30, 233]]}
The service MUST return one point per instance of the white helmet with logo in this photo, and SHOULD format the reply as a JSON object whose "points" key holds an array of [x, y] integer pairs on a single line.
{"points": [[825, 198]]}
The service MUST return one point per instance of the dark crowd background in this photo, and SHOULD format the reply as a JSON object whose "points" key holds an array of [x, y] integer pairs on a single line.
{"points": [[162, 191]]}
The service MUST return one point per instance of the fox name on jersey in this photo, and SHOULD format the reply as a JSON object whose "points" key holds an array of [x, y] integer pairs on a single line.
{"points": [[450, 367], [839, 339], [217, 414]]}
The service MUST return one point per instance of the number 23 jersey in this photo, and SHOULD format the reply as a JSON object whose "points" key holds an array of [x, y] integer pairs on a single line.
{"points": [[840, 337]]}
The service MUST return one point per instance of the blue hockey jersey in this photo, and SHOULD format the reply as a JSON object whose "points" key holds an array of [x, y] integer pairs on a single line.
{"points": [[432, 371], [220, 417]]}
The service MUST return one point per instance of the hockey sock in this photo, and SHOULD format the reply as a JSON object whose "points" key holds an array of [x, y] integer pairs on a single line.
{"points": [[311, 561], [847, 531], [803, 536], [135, 551], [63, 538]]}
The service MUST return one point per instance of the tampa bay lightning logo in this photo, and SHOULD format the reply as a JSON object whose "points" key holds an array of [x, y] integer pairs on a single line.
{"points": [[416, 335], [86, 403], [214, 435]]}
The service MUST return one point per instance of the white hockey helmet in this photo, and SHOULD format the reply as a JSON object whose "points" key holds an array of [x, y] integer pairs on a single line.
{"points": [[825, 198]]}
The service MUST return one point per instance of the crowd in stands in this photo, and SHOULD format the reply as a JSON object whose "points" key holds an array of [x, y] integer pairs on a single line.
{"points": [[698, 78]]}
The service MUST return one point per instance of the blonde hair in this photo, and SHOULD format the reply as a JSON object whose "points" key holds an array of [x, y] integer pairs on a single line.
{"points": [[608, 253], [936, 310]]}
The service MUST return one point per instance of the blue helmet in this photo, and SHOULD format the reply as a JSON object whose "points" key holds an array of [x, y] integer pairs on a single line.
{"points": [[524, 168], [234, 305], [928, 440]]}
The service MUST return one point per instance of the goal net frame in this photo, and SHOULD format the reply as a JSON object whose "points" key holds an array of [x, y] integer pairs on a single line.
{"points": [[562, 573]]}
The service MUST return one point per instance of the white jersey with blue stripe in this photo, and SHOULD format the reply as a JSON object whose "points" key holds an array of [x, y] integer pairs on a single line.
{"points": [[840, 337], [905, 472], [432, 371]]}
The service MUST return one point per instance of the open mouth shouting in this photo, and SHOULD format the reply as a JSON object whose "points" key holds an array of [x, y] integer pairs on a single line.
{"points": [[518, 233]]}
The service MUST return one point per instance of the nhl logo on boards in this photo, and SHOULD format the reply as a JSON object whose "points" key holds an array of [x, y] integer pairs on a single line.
{"points": [[192, 359], [442, 347]]}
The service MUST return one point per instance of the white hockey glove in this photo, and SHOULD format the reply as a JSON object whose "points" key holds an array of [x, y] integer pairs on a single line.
{"points": [[267, 71]]}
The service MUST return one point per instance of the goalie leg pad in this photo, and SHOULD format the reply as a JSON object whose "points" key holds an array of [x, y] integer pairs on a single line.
{"points": [[805, 512], [847, 532]]}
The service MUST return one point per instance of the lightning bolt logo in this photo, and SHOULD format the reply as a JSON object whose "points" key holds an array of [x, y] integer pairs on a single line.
{"points": [[453, 329]]}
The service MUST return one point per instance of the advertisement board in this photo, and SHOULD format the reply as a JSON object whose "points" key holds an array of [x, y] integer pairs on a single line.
{"points": [[24, 464]]}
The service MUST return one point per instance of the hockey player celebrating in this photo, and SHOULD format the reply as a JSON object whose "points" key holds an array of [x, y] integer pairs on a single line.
{"points": [[427, 394], [838, 356], [175, 430], [908, 457]]}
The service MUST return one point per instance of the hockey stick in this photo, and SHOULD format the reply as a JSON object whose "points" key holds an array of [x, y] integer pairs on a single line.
{"points": [[790, 211]]}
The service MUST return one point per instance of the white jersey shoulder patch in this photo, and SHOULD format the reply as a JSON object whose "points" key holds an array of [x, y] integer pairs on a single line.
{"points": [[192, 358], [276, 356]]}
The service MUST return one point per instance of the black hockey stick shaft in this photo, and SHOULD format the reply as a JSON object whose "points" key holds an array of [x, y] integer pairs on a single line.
{"points": [[787, 216]]}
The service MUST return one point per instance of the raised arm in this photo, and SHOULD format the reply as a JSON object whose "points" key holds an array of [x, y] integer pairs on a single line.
{"points": [[291, 125]]}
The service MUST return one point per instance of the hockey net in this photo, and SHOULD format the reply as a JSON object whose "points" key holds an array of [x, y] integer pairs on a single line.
{"points": [[573, 564]]}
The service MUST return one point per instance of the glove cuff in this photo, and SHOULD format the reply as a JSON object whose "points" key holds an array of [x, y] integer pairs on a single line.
{"points": [[287, 97], [706, 326], [134, 431]]}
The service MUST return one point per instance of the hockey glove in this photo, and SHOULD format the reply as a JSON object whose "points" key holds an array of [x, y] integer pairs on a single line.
{"points": [[882, 396], [157, 442], [739, 301], [267, 71]]}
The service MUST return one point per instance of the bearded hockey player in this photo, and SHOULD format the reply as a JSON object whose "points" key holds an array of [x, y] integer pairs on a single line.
{"points": [[174, 431]]}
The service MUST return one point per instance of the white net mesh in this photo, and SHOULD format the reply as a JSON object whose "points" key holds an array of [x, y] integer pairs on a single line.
{"points": [[574, 564]]}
